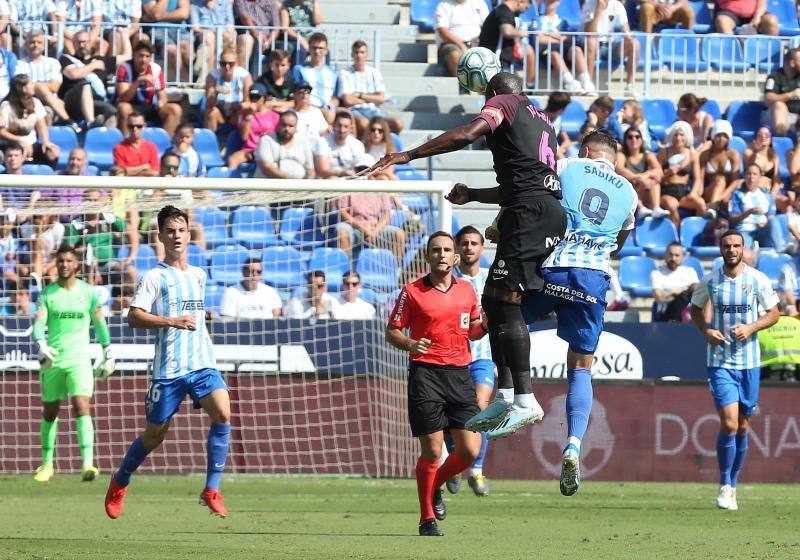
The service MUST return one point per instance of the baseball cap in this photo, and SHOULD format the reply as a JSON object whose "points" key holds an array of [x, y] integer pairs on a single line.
{"points": [[258, 89], [302, 85]]}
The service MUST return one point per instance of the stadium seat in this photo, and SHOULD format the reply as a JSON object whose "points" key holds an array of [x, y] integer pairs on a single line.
{"points": [[99, 145], [92, 170], [292, 222], [786, 12], [712, 108], [378, 269], [745, 118], [630, 249], [655, 61], [369, 296], [226, 263], [253, 227], [205, 143], [36, 169], [634, 275], [695, 263], [692, 237], [653, 235], [660, 114], [782, 145], [409, 174], [422, 12], [724, 52], [740, 146], [300, 228], [573, 118], [763, 52], [283, 267], [417, 202], [770, 264], [65, 138], [197, 257], [703, 20], [398, 218], [213, 297], [215, 225], [333, 262], [223, 173], [145, 257], [398, 144], [159, 137], [680, 50]]}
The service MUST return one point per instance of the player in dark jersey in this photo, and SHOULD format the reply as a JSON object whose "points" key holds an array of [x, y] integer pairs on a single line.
{"points": [[532, 223]]}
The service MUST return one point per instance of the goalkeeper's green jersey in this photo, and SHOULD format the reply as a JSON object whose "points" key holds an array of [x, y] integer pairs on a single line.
{"points": [[69, 313]]}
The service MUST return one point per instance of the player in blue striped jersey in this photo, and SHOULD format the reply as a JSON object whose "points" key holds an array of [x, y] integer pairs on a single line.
{"points": [[742, 303], [600, 207], [170, 298], [469, 243]]}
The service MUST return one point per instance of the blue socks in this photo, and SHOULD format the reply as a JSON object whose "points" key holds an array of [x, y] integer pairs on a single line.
{"points": [[726, 453], [579, 402], [133, 458], [218, 437], [738, 461], [478, 464]]}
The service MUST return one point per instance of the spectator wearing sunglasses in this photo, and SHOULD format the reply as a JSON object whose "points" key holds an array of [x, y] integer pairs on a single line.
{"points": [[251, 298], [316, 303], [226, 88], [350, 305], [139, 157]]}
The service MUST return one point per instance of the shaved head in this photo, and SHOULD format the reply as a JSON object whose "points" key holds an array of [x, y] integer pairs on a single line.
{"points": [[503, 82]]}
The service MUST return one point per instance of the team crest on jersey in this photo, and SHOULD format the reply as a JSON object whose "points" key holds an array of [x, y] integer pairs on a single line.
{"points": [[139, 287], [747, 288], [551, 183], [465, 320]]}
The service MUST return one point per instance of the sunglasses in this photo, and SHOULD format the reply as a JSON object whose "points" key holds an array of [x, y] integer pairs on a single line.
{"points": [[633, 137], [376, 130], [227, 63], [352, 283], [136, 125], [318, 286], [255, 271], [170, 167]]}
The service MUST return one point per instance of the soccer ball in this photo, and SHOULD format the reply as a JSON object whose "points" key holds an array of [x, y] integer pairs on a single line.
{"points": [[476, 67]]}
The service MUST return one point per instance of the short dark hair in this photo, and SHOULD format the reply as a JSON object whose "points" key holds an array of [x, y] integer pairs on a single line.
{"points": [[505, 82], [343, 114], [290, 113], [436, 234], [13, 146], [169, 212], [357, 44], [317, 37], [279, 55], [557, 101], [466, 230], [143, 46], [169, 153], [251, 261], [602, 140], [315, 274], [67, 248], [135, 114], [675, 244], [350, 273], [604, 102], [728, 234]]}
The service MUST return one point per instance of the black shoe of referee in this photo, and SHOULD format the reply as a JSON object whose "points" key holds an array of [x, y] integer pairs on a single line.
{"points": [[429, 528], [439, 509]]}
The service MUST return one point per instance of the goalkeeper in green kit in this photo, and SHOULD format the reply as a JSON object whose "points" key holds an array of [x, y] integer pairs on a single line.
{"points": [[64, 310]]}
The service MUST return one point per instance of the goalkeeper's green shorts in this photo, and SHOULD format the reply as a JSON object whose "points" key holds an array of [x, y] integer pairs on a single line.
{"points": [[69, 380]]}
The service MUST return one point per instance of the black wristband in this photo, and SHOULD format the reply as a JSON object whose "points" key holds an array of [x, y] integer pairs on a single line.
{"points": [[470, 195], [412, 154]]}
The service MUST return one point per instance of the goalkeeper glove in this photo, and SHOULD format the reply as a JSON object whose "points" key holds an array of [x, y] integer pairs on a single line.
{"points": [[45, 354], [105, 365]]}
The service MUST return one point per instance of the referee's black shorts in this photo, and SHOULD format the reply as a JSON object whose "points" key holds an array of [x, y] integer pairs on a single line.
{"points": [[439, 397], [529, 232]]}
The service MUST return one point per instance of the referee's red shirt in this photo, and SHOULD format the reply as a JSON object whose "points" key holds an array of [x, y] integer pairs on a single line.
{"points": [[441, 317]]}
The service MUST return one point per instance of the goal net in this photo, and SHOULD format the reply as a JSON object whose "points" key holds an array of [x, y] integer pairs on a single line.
{"points": [[316, 390]]}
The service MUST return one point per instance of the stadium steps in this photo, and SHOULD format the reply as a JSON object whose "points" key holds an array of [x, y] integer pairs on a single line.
{"points": [[368, 13], [433, 85], [432, 103], [433, 121], [410, 69]]}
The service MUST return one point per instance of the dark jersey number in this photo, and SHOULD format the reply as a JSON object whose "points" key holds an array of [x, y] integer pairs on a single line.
{"points": [[594, 205]]}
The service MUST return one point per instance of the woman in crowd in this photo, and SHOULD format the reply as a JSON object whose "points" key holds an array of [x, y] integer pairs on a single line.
{"points": [[699, 121], [640, 166], [762, 152], [23, 120], [719, 167], [753, 212], [226, 91], [679, 189], [378, 142]]}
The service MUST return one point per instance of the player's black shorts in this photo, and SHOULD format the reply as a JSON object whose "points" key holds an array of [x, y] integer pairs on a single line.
{"points": [[439, 397], [528, 234]]}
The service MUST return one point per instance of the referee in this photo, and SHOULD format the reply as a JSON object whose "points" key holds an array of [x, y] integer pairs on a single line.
{"points": [[442, 315]]}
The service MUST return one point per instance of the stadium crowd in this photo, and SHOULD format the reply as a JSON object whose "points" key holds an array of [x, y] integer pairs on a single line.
{"points": [[300, 118]]}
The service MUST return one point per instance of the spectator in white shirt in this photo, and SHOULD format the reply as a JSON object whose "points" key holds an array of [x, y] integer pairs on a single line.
{"points": [[606, 17], [361, 90], [285, 154], [337, 153], [311, 122], [673, 284], [251, 299], [316, 303], [45, 74], [457, 24], [350, 305]]}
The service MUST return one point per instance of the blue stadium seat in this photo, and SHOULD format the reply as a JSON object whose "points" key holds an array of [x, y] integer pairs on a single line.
{"points": [[333, 262], [92, 170], [99, 145], [369, 296], [159, 137], [398, 218], [292, 222], [680, 50], [655, 61], [65, 138], [205, 143], [660, 114], [634, 275], [653, 235], [215, 225], [630, 249], [786, 12], [692, 237], [740, 146], [398, 144], [409, 174], [223, 173], [300, 228], [36, 169], [763, 52], [782, 145], [253, 227], [422, 12], [712, 108], [703, 20], [213, 297], [716, 264], [770, 264], [197, 257], [378, 269], [745, 118], [724, 52], [226, 263], [485, 263], [417, 202], [283, 267], [573, 118], [145, 257], [695, 263]]}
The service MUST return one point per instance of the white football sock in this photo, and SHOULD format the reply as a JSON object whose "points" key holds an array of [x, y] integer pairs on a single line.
{"points": [[574, 441], [506, 395], [524, 401], [475, 472]]}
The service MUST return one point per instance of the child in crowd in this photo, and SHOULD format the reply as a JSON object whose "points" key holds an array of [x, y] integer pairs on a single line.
{"points": [[183, 145]]}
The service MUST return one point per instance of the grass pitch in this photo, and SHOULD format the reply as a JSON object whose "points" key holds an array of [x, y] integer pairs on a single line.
{"points": [[276, 518]]}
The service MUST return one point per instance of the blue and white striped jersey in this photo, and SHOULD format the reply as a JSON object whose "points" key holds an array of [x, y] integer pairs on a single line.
{"points": [[481, 350], [370, 81], [170, 292], [735, 301], [599, 203]]}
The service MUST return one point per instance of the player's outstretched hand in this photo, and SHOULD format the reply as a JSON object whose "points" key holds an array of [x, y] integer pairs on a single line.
{"points": [[742, 332], [421, 346], [459, 194], [387, 161], [184, 322], [714, 337]]}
